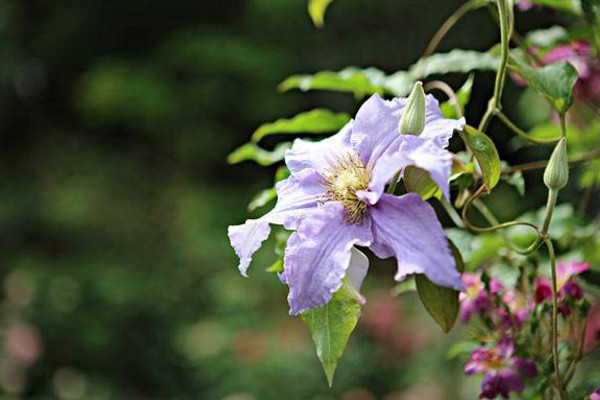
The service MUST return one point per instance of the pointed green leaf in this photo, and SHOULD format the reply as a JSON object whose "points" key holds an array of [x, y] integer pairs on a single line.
{"points": [[361, 82], [315, 121], [251, 152], [455, 61], [317, 9], [462, 96], [486, 154], [417, 180], [555, 81], [441, 302], [331, 326]]}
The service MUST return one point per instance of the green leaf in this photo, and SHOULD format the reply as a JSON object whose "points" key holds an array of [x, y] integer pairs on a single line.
{"points": [[455, 61], [547, 37], [331, 326], [486, 154], [417, 180], [572, 6], [317, 9], [462, 96], [251, 152], [555, 81], [315, 121], [439, 301], [262, 198], [361, 82], [515, 180]]}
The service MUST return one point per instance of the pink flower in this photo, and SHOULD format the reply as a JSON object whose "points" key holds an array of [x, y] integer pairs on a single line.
{"points": [[568, 288], [595, 395], [519, 308], [503, 371]]}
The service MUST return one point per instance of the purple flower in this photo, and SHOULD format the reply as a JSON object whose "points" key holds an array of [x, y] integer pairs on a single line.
{"points": [[568, 288], [334, 200], [503, 371], [475, 298], [595, 395], [525, 5]]}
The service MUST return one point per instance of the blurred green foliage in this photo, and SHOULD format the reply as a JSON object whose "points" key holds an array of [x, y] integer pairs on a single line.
{"points": [[115, 121]]}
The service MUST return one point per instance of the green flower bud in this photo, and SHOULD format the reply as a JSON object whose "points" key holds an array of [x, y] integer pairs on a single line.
{"points": [[413, 117], [556, 174]]}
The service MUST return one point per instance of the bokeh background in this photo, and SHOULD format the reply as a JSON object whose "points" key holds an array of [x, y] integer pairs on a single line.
{"points": [[118, 281]]}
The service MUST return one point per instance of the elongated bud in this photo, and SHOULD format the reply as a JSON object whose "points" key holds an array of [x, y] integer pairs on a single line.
{"points": [[413, 117], [556, 174]]}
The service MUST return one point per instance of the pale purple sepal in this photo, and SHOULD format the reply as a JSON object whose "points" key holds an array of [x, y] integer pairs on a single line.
{"points": [[407, 228], [321, 155], [376, 138], [318, 254], [296, 196]]}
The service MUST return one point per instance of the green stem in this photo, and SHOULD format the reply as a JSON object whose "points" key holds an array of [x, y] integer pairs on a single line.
{"points": [[509, 124], [495, 104], [551, 203], [450, 22], [556, 360]]}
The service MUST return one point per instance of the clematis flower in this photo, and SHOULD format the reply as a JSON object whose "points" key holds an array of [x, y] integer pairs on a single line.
{"points": [[595, 395], [566, 284], [334, 200], [503, 371], [477, 298]]}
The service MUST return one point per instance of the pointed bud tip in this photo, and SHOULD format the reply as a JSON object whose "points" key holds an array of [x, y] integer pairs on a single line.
{"points": [[556, 174], [413, 117]]}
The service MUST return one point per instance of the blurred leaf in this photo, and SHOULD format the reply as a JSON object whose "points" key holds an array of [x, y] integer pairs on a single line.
{"points": [[572, 6], [516, 180], [262, 198], [486, 154], [418, 181], [406, 286], [282, 173], [331, 326], [315, 121], [251, 152], [591, 175], [455, 61], [546, 37], [555, 81], [462, 96], [441, 302], [361, 82], [371, 80], [317, 9], [460, 348], [281, 238], [591, 12]]}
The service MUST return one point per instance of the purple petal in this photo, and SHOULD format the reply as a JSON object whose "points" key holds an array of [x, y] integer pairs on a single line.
{"points": [[407, 227], [318, 255], [375, 130], [595, 395], [432, 158], [320, 155], [357, 270], [246, 239], [525, 367], [296, 196]]}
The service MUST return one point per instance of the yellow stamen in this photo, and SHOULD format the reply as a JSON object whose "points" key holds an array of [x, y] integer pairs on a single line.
{"points": [[343, 180]]}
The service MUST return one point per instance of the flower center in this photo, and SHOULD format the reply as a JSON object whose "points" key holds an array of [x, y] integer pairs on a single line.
{"points": [[343, 180]]}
